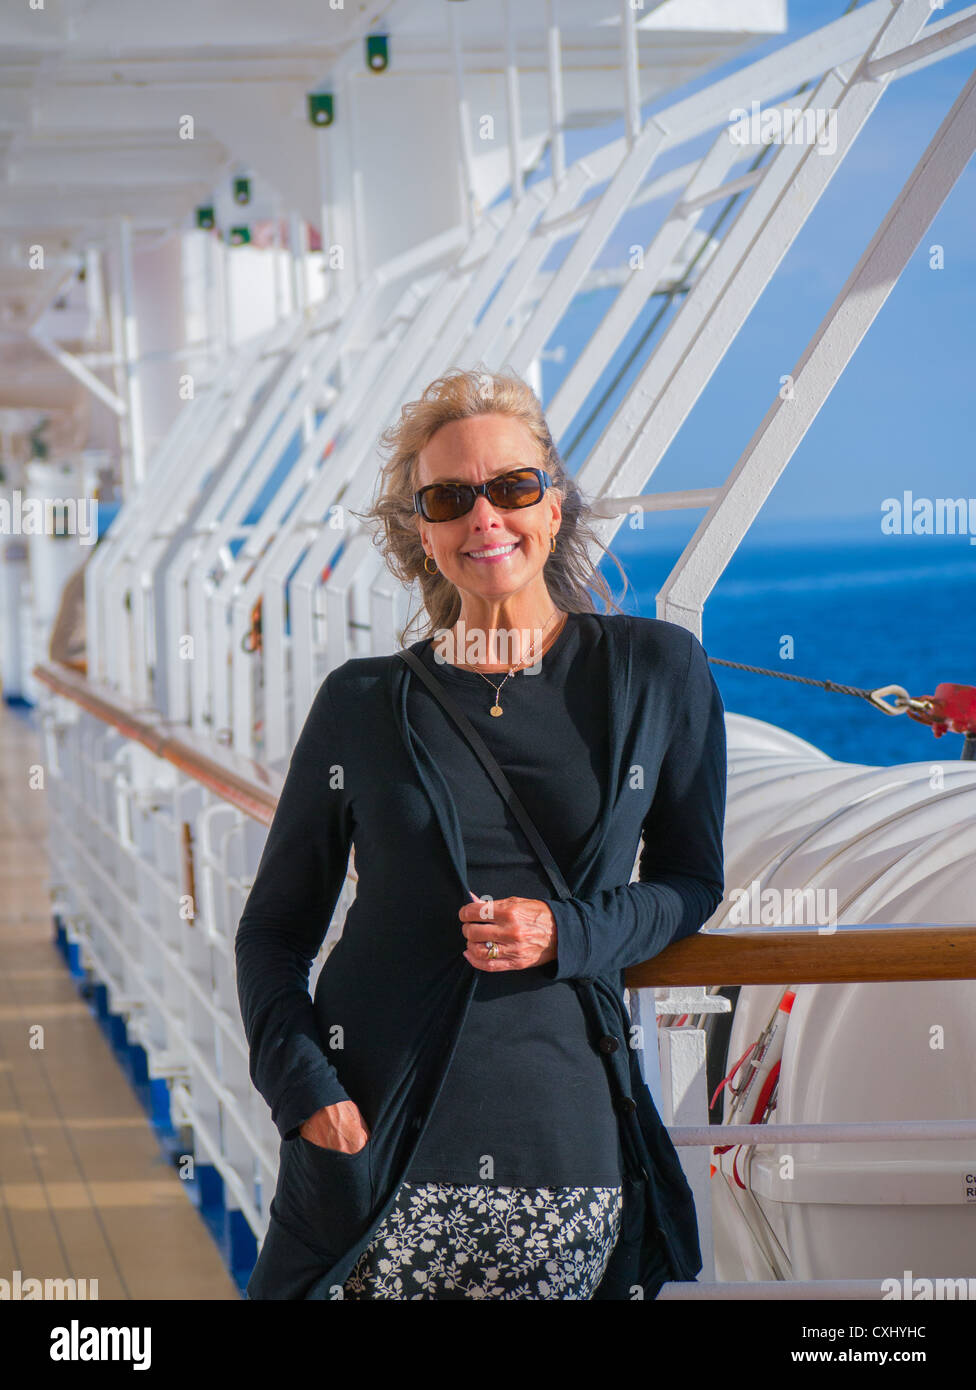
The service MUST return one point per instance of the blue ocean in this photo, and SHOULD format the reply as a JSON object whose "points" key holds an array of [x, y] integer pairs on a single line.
{"points": [[862, 609]]}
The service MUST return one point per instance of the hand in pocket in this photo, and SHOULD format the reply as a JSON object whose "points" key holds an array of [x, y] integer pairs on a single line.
{"points": [[340, 1127]]}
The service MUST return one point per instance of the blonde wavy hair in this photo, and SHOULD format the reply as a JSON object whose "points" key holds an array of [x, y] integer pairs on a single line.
{"points": [[458, 395]]}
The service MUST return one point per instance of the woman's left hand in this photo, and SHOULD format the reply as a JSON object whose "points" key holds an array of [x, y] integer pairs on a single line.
{"points": [[523, 929]]}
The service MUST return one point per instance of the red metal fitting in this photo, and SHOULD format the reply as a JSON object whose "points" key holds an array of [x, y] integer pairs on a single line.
{"points": [[952, 707]]}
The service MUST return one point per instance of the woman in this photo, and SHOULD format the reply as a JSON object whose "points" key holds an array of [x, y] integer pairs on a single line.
{"points": [[461, 1113]]}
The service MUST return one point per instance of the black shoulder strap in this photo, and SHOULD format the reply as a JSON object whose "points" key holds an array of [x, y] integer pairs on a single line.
{"points": [[491, 766]]}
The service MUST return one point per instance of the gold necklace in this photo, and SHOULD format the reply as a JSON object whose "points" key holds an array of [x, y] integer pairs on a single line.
{"points": [[496, 708]]}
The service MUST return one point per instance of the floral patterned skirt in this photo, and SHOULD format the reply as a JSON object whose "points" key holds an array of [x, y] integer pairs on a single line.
{"points": [[443, 1241]]}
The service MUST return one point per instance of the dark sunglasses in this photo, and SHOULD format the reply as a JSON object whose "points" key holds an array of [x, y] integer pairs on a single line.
{"points": [[447, 501]]}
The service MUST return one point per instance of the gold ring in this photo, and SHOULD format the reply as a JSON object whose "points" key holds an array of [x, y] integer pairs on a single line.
{"points": [[492, 949]]}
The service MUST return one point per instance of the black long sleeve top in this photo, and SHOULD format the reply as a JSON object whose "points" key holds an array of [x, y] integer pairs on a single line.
{"points": [[525, 1101]]}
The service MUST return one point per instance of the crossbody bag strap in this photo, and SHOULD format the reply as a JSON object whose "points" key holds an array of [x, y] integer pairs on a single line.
{"points": [[491, 766]]}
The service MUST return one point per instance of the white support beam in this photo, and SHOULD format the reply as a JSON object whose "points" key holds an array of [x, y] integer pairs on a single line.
{"points": [[512, 108], [557, 110], [957, 35], [629, 58], [705, 1136], [641, 283], [297, 251], [820, 367], [637, 438], [81, 373], [130, 358], [516, 285], [654, 502], [590, 241], [472, 206], [788, 68], [354, 150], [296, 228]]}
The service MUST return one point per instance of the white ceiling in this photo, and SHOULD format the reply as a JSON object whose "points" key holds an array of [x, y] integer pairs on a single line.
{"points": [[92, 94]]}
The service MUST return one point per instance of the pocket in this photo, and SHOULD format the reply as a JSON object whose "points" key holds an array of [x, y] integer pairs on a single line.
{"points": [[321, 1149], [324, 1196]]}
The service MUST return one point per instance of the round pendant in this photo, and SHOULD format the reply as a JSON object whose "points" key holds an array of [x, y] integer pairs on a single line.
{"points": [[496, 710]]}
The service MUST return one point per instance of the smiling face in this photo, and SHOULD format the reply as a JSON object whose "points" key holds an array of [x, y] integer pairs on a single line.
{"points": [[472, 451]]}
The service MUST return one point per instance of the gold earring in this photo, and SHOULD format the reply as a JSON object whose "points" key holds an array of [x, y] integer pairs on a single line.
{"points": [[552, 545], [429, 571]]}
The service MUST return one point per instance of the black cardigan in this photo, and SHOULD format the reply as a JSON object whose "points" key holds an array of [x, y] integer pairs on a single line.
{"points": [[393, 994]]}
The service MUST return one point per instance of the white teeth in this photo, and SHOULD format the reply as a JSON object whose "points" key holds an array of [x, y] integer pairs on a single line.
{"points": [[498, 550]]}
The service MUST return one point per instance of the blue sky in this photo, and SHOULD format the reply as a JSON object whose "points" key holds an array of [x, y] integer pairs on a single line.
{"points": [[902, 415]]}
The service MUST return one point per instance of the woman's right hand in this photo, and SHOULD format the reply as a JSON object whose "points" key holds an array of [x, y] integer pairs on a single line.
{"points": [[338, 1126]]}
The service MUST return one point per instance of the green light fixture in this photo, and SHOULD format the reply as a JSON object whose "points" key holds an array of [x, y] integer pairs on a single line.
{"points": [[377, 52], [321, 108]]}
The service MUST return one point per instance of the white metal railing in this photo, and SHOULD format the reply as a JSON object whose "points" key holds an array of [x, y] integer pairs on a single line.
{"points": [[165, 957]]}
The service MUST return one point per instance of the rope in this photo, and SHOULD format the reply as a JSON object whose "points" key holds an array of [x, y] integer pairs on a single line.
{"points": [[925, 709], [803, 680]]}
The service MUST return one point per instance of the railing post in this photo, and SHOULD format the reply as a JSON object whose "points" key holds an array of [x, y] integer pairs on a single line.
{"points": [[675, 1074], [684, 1093]]}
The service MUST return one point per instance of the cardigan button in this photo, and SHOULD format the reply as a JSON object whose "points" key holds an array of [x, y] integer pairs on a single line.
{"points": [[608, 1045], [626, 1105]]}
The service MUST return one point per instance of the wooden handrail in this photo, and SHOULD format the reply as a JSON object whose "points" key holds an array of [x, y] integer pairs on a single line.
{"points": [[769, 956], [728, 956], [240, 781]]}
